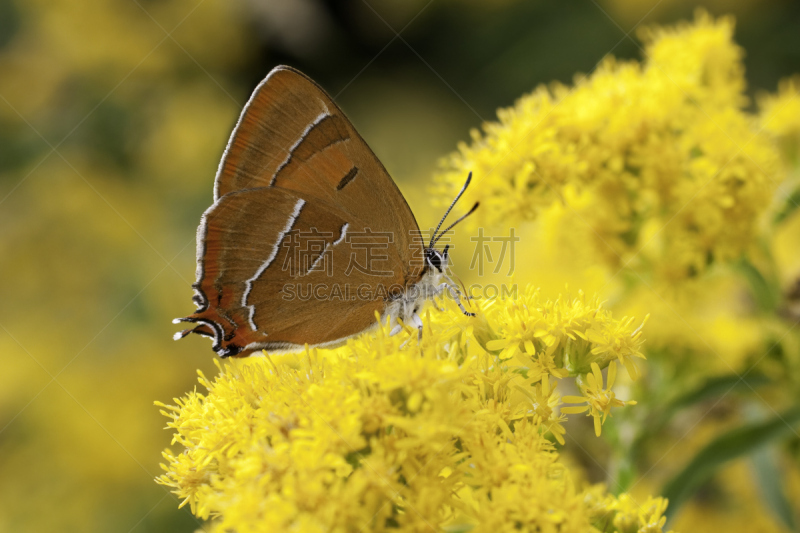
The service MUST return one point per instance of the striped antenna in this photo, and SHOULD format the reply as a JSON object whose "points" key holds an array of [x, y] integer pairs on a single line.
{"points": [[451, 226], [464, 188]]}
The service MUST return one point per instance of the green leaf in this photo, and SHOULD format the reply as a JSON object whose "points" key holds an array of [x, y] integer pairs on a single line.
{"points": [[768, 473], [766, 292], [736, 443], [711, 388], [789, 207], [714, 387]]}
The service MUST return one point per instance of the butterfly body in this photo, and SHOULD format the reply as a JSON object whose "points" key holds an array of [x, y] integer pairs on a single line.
{"points": [[408, 304], [296, 166]]}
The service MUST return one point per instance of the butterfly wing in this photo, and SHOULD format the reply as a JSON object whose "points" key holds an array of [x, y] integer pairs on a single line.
{"points": [[292, 135], [262, 293], [295, 164]]}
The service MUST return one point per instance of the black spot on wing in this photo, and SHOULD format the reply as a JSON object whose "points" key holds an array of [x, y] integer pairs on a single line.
{"points": [[347, 178]]}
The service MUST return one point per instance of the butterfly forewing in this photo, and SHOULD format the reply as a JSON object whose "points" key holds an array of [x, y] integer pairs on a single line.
{"points": [[292, 135]]}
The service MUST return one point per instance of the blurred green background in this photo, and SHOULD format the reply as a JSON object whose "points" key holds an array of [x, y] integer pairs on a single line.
{"points": [[113, 116]]}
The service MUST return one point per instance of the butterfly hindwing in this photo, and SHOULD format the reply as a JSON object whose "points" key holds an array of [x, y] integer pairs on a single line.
{"points": [[275, 287]]}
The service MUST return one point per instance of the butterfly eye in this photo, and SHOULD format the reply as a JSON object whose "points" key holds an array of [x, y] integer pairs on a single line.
{"points": [[435, 259]]}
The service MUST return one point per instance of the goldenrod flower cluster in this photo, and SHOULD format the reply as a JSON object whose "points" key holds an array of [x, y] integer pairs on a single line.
{"points": [[780, 116], [658, 161], [450, 432]]}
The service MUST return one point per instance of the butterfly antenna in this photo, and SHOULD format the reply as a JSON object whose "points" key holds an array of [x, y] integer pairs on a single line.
{"points": [[451, 226], [464, 188]]}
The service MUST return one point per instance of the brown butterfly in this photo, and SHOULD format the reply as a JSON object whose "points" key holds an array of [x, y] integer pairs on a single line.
{"points": [[294, 166]]}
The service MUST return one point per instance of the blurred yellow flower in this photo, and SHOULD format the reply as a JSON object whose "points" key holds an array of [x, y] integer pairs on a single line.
{"points": [[780, 113], [663, 170], [780, 117], [108, 126], [635, 518], [387, 433]]}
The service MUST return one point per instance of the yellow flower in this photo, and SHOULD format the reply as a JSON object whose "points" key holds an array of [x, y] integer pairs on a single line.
{"points": [[631, 517], [659, 167], [544, 402], [780, 113], [562, 337], [780, 117], [613, 342], [387, 433], [598, 400]]}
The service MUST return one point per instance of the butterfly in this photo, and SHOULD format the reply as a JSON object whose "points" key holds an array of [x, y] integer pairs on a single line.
{"points": [[294, 166]]}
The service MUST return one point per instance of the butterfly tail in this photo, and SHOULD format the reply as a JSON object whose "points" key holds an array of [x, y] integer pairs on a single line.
{"points": [[210, 324]]}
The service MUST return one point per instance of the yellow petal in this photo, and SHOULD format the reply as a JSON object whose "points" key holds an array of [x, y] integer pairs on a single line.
{"points": [[597, 375], [497, 344], [529, 348], [573, 399], [631, 368], [571, 410]]}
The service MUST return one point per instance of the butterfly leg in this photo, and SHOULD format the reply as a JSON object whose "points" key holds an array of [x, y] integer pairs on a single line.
{"points": [[463, 310], [453, 287], [417, 321]]}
